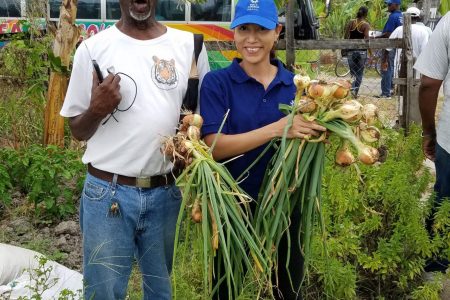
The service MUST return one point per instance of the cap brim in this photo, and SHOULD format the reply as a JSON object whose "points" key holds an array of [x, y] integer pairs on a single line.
{"points": [[252, 19]]}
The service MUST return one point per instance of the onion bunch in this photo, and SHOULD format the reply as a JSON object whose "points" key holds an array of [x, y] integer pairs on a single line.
{"points": [[292, 182], [220, 221]]}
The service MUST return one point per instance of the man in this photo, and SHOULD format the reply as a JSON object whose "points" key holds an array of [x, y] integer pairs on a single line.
{"points": [[129, 205], [419, 36], [434, 65], [420, 22], [387, 67]]}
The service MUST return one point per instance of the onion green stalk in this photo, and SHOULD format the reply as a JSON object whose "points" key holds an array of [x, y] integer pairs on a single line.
{"points": [[292, 181], [225, 229]]}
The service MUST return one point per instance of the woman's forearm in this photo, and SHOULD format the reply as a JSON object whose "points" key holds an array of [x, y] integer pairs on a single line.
{"points": [[228, 146]]}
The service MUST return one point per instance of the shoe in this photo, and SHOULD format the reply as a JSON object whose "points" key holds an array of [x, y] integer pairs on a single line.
{"points": [[382, 97]]}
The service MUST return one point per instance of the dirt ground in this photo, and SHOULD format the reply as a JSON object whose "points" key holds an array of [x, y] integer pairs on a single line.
{"points": [[60, 241]]}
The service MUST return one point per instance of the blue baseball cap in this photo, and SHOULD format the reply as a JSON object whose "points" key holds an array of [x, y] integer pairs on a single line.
{"points": [[393, 2], [260, 12]]}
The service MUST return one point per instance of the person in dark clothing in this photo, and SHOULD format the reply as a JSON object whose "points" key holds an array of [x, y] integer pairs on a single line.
{"points": [[357, 29], [252, 88], [387, 66]]}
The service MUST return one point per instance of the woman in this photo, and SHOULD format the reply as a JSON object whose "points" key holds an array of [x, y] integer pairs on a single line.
{"points": [[357, 29], [251, 89]]}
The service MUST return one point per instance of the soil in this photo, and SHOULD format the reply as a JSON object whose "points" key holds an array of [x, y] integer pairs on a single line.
{"points": [[59, 240]]}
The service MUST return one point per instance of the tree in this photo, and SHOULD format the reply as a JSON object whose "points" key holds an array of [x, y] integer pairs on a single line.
{"points": [[67, 36]]}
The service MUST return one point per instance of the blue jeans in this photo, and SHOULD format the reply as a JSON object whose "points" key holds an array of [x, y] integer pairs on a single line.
{"points": [[442, 164], [120, 223], [442, 190], [356, 62], [386, 76]]}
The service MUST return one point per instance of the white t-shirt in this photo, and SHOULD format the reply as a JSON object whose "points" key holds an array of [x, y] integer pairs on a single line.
{"points": [[434, 62], [428, 29], [160, 68], [419, 37]]}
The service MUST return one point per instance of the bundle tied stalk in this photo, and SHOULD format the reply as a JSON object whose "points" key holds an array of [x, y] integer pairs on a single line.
{"points": [[222, 224], [292, 182]]}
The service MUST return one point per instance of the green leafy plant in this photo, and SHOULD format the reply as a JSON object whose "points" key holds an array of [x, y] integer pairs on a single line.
{"points": [[24, 64], [50, 177], [342, 11], [5, 186], [430, 290], [445, 7], [377, 243]]}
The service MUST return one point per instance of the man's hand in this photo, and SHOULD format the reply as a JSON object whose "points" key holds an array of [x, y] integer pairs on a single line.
{"points": [[105, 96], [104, 99], [429, 147]]}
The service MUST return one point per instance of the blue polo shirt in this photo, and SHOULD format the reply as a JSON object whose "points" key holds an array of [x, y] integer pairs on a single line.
{"points": [[251, 107], [395, 19]]}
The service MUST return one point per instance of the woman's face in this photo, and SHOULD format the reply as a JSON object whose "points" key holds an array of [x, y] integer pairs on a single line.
{"points": [[254, 42]]}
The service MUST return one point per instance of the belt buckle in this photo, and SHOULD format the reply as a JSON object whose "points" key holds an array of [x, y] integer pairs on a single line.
{"points": [[143, 182]]}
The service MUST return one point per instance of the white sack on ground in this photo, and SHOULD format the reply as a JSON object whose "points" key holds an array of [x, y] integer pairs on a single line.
{"points": [[16, 274]]}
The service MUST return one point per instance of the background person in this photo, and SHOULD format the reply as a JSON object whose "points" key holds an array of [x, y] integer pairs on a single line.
{"points": [[129, 204], [387, 66], [357, 29], [419, 37], [251, 89], [434, 65]]}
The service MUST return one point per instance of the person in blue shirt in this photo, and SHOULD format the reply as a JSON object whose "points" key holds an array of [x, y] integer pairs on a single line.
{"points": [[387, 66], [251, 89]]}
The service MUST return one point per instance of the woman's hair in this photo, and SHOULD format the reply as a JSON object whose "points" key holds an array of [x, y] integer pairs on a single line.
{"points": [[273, 54], [362, 12]]}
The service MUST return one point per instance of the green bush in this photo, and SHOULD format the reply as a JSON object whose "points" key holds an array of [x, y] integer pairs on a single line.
{"points": [[50, 177], [376, 241], [24, 63]]}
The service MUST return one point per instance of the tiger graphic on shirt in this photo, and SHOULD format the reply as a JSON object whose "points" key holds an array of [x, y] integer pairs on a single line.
{"points": [[164, 73]]}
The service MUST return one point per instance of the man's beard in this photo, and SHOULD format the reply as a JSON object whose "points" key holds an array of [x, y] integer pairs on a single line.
{"points": [[140, 17]]}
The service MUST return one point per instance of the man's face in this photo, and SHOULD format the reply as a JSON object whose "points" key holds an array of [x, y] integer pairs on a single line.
{"points": [[138, 10], [392, 7]]}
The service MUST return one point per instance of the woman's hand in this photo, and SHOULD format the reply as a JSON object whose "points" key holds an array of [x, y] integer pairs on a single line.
{"points": [[300, 128]]}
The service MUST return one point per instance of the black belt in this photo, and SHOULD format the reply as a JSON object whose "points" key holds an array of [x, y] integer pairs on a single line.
{"points": [[142, 182]]}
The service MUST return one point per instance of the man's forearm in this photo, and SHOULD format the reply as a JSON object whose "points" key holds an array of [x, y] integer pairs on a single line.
{"points": [[427, 103], [384, 35], [85, 125]]}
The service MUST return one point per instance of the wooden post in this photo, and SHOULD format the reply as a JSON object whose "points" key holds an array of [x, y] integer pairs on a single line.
{"points": [[289, 31], [411, 105], [67, 36]]}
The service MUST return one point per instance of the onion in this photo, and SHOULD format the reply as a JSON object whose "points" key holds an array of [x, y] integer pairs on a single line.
{"points": [[196, 213], [306, 105], [341, 88], [369, 113], [344, 156], [349, 111], [368, 155], [370, 134], [193, 133], [301, 82], [193, 120], [318, 89]]}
